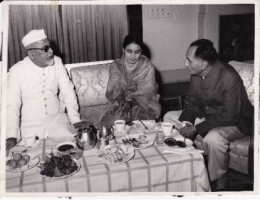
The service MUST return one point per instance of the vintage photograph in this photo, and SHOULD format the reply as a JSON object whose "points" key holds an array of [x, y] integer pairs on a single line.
{"points": [[129, 98]]}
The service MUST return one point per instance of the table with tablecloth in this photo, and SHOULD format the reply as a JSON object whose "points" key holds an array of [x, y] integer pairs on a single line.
{"points": [[150, 170]]}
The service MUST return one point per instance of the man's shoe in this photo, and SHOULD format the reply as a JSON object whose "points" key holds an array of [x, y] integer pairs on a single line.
{"points": [[220, 184]]}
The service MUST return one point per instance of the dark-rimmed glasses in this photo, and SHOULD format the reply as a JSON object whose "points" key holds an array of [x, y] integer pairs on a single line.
{"points": [[45, 49]]}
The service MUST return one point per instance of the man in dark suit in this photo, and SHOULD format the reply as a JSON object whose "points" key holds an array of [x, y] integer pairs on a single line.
{"points": [[218, 100]]}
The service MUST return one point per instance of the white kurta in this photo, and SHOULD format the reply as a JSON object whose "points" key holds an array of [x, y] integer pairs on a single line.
{"points": [[34, 90]]}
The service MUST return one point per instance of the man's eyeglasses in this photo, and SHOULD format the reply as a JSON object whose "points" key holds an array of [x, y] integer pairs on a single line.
{"points": [[45, 49]]}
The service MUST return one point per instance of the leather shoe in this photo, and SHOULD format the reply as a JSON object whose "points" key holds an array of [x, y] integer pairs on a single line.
{"points": [[220, 184]]}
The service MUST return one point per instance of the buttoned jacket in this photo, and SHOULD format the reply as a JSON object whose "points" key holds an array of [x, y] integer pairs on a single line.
{"points": [[220, 97], [34, 91]]}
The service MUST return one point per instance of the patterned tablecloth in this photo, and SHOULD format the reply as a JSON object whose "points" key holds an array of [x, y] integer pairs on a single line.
{"points": [[150, 170]]}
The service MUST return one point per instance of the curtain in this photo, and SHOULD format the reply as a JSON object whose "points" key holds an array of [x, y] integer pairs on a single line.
{"points": [[24, 18], [81, 33], [93, 32]]}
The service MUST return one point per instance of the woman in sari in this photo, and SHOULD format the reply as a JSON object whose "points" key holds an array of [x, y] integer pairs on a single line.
{"points": [[131, 89]]}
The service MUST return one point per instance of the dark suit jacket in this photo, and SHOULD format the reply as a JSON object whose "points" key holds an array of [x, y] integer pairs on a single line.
{"points": [[221, 98]]}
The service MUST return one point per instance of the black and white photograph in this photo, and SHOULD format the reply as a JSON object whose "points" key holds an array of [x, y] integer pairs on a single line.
{"points": [[129, 98]]}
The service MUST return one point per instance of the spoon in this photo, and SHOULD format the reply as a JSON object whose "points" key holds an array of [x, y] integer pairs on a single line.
{"points": [[143, 125]]}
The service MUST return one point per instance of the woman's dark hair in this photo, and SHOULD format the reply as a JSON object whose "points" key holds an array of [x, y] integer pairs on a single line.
{"points": [[205, 50], [132, 38]]}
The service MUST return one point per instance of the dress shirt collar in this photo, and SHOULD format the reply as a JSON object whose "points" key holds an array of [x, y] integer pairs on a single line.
{"points": [[35, 67], [213, 70]]}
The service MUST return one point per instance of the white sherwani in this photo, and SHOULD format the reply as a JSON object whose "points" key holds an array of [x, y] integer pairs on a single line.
{"points": [[34, 90]]}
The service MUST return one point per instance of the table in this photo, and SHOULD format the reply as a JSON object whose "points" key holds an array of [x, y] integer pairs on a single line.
{"points": [[149, 171]]}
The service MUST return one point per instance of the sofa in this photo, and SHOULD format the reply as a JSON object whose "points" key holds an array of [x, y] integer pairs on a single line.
{"points": [[90, 81]]}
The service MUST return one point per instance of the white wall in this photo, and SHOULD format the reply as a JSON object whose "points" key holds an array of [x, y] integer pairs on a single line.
{"points": [[169, 38]]}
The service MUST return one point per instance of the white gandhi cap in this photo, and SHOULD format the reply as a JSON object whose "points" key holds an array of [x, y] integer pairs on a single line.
{"points": [[33, 36]]}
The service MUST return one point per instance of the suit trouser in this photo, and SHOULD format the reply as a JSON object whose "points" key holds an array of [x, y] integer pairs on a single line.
{"points": [[58, 128], [215, 144]]}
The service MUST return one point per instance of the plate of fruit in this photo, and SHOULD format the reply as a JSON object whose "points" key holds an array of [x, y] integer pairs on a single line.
{"points": [[19, 162], [58, 166]]}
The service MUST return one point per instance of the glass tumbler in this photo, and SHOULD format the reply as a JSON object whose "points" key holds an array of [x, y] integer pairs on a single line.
{"points": [[160, 137]]}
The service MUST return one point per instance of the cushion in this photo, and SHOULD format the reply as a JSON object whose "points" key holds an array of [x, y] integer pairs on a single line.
{"points": [[91, 83], [238, 153], [238, 162], [240, 146], [246, 71]]}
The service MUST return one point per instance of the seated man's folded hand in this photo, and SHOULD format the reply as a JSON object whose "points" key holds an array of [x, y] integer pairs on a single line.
{"points": [[82, 124], [189, 132], [10, 142]]}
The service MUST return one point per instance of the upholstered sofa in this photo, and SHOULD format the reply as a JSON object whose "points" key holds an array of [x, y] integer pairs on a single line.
{"points": [[90, 80]]}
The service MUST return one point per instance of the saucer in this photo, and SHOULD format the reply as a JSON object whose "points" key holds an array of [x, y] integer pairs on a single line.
{"points": [[124, 132], [36, 144]]}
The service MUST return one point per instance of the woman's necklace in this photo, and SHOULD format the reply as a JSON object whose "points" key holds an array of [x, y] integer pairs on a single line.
{"points": [[129, 67]]}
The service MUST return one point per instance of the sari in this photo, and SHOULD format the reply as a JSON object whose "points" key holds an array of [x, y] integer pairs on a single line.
{"points": [[138, 84]]}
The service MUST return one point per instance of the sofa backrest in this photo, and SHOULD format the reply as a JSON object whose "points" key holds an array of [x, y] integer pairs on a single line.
{"points": [[90, 81], [246, 71]]}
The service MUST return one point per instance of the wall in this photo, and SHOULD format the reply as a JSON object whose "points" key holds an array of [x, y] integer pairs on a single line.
{"points": [[169, 38]]}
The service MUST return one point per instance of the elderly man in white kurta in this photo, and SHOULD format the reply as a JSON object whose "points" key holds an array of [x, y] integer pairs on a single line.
{"points": [[33, 104]]}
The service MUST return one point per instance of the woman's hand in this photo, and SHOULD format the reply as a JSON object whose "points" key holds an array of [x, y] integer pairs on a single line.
{"points": [[125, 106], [126, 110]]}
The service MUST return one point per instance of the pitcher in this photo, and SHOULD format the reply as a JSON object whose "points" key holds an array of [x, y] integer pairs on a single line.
{"points": [[86, 137], [106, 132]]}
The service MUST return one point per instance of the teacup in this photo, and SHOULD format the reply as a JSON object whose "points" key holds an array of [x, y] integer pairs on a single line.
{"points": [[119, 125], [29, 139], [167, 128]]}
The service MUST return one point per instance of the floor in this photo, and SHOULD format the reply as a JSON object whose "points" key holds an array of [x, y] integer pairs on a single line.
{"points": [[237, 184]]}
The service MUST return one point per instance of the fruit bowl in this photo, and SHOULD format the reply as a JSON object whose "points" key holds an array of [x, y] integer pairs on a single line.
{"points": [[21, 162]]}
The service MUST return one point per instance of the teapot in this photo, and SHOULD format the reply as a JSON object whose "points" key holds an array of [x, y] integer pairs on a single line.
{"points": [[86, 137], [106, 132]]}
